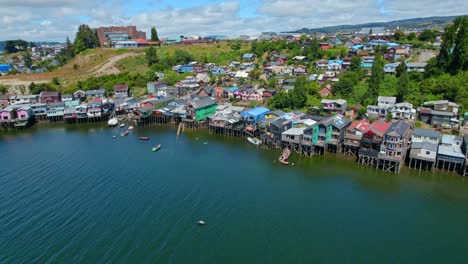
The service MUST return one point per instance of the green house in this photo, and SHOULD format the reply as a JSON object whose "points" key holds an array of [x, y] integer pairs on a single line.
{"points": [[201, 109]]}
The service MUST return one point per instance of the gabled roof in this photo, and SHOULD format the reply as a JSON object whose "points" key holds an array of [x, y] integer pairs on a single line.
{"points": [[121, 88], [255, 111], [294, 131], [425, 145], [390, 99], [361, 125], [379, 127], [399, 128], [426, 133], [96, 92], [200, 103], [49, 94]]}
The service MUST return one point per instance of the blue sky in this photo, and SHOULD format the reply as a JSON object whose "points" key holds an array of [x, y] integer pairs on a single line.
{"points": [[57, 19]]}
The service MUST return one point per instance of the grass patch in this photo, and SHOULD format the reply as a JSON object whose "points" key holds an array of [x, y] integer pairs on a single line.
{"points": [[133, 64]]}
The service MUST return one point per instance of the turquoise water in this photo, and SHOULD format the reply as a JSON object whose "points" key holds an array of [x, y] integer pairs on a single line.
{"points": [[76, 195]]}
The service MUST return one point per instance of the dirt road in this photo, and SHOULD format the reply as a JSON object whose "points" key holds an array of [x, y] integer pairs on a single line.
{"points": [[109, 67]]}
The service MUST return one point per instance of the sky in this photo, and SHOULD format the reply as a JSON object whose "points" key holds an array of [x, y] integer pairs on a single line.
{"points": [[54, 20]]}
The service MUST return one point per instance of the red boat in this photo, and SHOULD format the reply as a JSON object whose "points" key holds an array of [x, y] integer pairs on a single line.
{"points": [[144, 138]]}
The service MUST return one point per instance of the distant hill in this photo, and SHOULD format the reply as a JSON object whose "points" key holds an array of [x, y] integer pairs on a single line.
{"points": [[413, 23], [50, 43]]}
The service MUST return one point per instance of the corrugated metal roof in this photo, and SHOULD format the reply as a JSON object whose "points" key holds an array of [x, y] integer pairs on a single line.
{"points": [[294, 131], [453, 151], [256, 111], [426, 133]]}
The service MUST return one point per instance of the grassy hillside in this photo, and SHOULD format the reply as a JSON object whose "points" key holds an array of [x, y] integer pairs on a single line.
{"points": [[221, 54]]}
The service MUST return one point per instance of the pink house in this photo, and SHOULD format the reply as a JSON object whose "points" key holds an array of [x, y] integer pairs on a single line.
{"points": [[256, 95], [237, 94], [8, 113], [24, 112]]}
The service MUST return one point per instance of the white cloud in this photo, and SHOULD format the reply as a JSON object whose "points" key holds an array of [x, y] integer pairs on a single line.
{"points": [[57, 19]]}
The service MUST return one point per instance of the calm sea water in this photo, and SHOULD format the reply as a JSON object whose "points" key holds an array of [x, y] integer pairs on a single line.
{"points": [[76, 195]]}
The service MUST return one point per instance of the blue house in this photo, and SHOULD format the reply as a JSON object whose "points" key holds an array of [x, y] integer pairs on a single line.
{"points": [[5, 68], [186, 68], [217, 71], [248, 57], [254, 115], [367, 63]]}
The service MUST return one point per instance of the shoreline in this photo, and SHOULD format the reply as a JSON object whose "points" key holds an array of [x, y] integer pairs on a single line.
{"points": [[299, 159]]}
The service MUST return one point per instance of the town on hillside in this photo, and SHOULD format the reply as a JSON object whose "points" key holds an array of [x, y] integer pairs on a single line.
{"points": [[389, 98]]}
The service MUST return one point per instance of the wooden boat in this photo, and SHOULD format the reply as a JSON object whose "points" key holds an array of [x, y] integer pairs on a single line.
{"points": [[254, 141], [156, 148], [123, 134], [283, 159], [144, 138], [283, 162], [113, 122]]}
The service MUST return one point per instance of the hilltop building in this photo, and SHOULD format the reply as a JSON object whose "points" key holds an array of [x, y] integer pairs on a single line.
{"points": [[109, 35]]}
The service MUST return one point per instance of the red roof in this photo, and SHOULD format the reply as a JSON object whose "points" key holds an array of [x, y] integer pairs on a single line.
{"points": [[361, 125], [326, 91], [379, 127], [145, 42], [121, 87]]}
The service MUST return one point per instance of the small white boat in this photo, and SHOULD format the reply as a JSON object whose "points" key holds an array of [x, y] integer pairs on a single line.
{"points": [[201, 222], [113, 122], [122, 125], [113, 136], [254, 141], [130, 128]]}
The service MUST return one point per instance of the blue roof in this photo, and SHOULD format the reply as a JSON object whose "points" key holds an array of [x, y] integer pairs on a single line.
{"points": [[5, 67], [335, 61], [356, 47], [248, 55], [233, 89], [255, 111]]}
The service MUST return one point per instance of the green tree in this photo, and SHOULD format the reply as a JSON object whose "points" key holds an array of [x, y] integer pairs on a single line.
{"points": [[403, 86], [411, 36], [154, 34], [13, 46], [151, 56], [183, 56], [399, 35], [236, 45], [343, 87], [281, 100], [428, 35], [355, 65], [299, 94], [376, 77], [3, 89], [400, 69], [254, 74], [272, 83], [453, 53], [27, 59], [68, 50], [85, 39], [79, 46]]}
